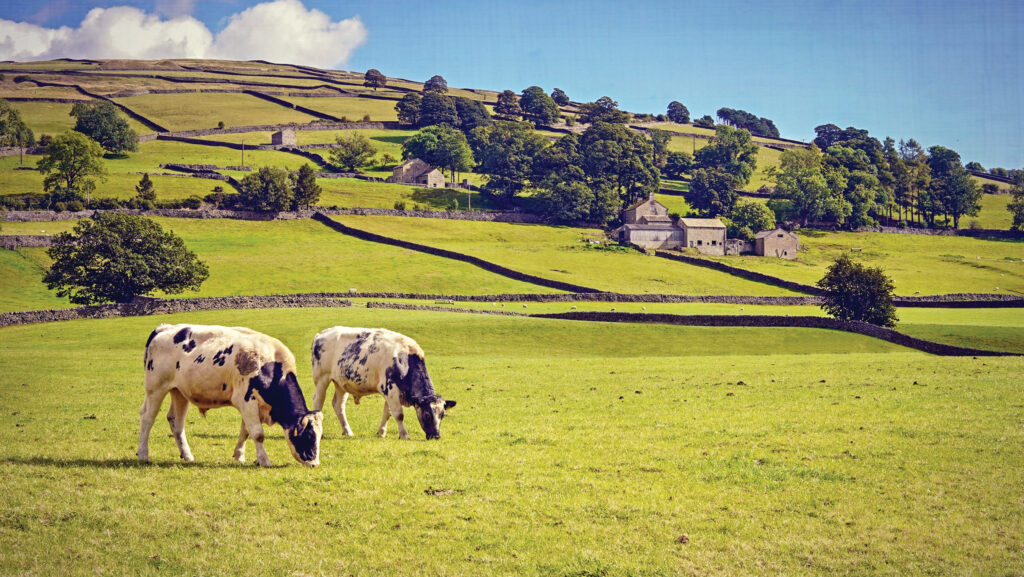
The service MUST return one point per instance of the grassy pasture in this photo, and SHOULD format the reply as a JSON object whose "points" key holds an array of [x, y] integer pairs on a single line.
{"points": [[561, 253], [993, 213], [352, 108], [916, 263], [568, 454], [205, 110], [55, 117]]}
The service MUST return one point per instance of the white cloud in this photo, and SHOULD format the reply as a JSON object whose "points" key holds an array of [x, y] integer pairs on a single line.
{"points": [[280, 31]]}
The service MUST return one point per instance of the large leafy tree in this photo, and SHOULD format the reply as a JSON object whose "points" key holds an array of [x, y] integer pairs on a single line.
{"points": [[560, 97], [1016, 205], [733, 151], [441, 146], [471, 114], [305, 190], [505, 151], [712, 191], [747, 121], [952, 185], [13, 130], [854, 292], [352, 150], [71, 163], [616, 157], [436, 108], [537, 106], [678, 113], [660, 140], [115, 257], [604, 109], [437, 85], [267, 190], [102, 122], [748, 217], [408, 109], [814, 193], [677, 164], [508, 107], [374, 79]]}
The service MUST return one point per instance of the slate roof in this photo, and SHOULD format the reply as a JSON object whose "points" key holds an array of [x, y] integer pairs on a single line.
{"points": [[767, 233], [701, 223]]}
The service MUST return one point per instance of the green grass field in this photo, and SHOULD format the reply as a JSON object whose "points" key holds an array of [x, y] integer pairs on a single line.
{"points": [[205, 110], [55, 117], [568, 454], [916, 263], [351, 108], [562, 253]]}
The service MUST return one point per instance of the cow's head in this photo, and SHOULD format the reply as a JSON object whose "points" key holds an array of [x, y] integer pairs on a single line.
{"points": [[430, 414], [304, 438]]}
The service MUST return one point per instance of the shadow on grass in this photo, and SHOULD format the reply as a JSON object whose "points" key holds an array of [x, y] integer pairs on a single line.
{"points": [[123, 463]]}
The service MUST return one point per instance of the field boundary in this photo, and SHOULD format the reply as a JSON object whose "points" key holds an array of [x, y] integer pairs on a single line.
{"points": [[144, 306], [743, 273], [858, 327], [486, 265]]}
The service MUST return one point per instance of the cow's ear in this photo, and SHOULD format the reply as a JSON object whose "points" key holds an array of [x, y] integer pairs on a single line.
{"points": [[449, 404]]}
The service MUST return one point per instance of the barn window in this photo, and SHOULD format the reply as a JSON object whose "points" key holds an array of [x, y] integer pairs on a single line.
{"points": [[699, 242], [780, 236], [714, 243]]}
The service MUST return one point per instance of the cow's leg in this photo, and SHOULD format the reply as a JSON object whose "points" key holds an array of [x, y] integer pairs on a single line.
{"points": [[251, 421], [321, 382], [176, 418], [240, 447], [383, 428], [147, 415], [340, 398], [393, 404]]}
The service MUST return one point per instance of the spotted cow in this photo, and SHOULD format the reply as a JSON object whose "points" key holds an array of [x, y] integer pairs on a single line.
{"points": [[364, 362], [212, 366]]}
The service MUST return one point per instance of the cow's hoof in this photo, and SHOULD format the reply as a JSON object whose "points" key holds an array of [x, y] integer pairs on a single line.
{"points": [[188, 458], [240, 458]]}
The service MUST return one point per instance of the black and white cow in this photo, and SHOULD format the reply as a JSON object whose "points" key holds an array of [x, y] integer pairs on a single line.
{"points": [[212, 366], [364, 362]]}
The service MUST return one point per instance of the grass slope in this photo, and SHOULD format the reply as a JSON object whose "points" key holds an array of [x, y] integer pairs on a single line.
{"points": [[561, 253], [916, 263], [205, 110], [568, 454]]}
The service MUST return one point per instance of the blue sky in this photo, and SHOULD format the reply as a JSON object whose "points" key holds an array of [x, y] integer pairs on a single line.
{"points": [[942, 72]]}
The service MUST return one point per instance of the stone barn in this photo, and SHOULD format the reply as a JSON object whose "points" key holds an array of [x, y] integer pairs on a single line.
{"points": [[284, 137], [648, 225], [415, 171], [706, 235], [779, 242]]}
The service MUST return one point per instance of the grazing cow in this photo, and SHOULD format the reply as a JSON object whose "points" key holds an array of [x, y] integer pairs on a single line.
{"points": [[364, 362], [211, 366]]}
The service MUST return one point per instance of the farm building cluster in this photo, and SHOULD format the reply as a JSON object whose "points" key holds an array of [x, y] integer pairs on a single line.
{"points": [[648, 225]]}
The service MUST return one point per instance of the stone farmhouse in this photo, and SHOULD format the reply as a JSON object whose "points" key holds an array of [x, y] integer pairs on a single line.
{"points": [[415, 171], [779, 242], [648, 225], [284, 137]]}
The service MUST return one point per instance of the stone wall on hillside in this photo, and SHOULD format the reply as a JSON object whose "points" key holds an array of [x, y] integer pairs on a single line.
{"points": [[13, 241]]}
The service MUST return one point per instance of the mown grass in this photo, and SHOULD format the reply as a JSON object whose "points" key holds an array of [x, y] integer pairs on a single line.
{"points": [[205, 110], [571, 452], [916, 263], [562, 253]]}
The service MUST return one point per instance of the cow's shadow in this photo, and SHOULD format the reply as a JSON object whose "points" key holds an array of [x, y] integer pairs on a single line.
{"points": [[127, 463]]}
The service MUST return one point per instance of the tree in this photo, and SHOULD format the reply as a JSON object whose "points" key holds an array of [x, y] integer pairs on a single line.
{"points": [[974, 166], [712, 191], [731, 150], [145, 189], [351, 151], [568, 201], [747, 121], [72, 160], [704, 122], [506, 152], [115, 257], [267, 190], [374, 79], [437, 85], [436, 108], [508, 107], [305, 190], [101, 121], [538, 106], [408, 109], [952, 185], [678, 113], [615, 157], [14, 131], [471, 114], [677, 164], [659, 141], [748, 217], [560, 97], [854, 292], [801, 179], [441, 146], [1016, 206], [604, 109]]}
